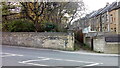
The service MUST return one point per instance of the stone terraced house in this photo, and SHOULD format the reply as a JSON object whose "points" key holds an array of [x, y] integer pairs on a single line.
{"points": [[104, 31], [106, 19]]}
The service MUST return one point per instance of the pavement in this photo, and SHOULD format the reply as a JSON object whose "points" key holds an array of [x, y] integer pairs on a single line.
{"points": [[26, 56]]}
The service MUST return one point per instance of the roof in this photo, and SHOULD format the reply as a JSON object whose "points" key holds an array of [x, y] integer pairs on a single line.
{"points": [[115, 6], [107, 8], [110, 7], [97, 12]]}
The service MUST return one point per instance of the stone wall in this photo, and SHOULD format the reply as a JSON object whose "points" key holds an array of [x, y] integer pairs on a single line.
{"points": [[100, 45], [64, 41], [118, 21], [112, 47], [105, 43]]}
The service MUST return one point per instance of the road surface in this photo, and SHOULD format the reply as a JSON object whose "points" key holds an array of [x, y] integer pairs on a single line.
{"points": [[26, 56]]}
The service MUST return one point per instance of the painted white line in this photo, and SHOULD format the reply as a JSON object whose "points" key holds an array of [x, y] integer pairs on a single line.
{"points": [[9, 54], [90, 63], [94, 64], [30, 62], [27, 61], [34, 64], [67, 60], [6, 56], [13, 54]]}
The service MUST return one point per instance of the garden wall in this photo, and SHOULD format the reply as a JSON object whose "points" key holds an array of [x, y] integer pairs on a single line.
{"points": [[55, 40], [105, 43]]}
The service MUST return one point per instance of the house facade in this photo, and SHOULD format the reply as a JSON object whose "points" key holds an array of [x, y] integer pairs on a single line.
{"points": [[104, 33], [106, 19]]}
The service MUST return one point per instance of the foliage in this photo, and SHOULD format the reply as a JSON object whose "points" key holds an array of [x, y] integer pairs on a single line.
{"points": [[76, 46], [50, 11], [60, 28], [57, 14], [20, 26], [51, 27], [85, 46], [47, 26]]}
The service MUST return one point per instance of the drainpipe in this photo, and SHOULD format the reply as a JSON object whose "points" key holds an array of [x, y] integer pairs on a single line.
{"points": [[100, 23], [108, 17]]}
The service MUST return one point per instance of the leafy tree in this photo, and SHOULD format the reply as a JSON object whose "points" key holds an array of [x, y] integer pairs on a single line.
{"points": [[55, 12], [6, 7], [61, 14], [5, 12], [33, 11]]}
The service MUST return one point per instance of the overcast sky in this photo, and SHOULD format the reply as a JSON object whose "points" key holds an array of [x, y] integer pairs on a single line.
{"points": [[96, 4]]}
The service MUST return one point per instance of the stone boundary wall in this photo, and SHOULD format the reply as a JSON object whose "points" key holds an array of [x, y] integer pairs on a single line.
{"points": [[110, 45], [100, 45], [54, 40]]}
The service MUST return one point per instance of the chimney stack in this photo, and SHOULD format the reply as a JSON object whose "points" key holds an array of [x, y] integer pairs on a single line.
{"points": [[107, 3], [117, 2]]}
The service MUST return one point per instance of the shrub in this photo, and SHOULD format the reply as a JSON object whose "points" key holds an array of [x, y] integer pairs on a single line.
{"points": [[52, 27], [21, 25], [76, 46]]}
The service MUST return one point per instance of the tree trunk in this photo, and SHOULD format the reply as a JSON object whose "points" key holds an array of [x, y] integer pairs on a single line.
{"points": [[36, 26]]}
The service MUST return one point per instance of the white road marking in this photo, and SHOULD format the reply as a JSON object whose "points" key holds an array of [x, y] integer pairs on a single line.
{"points": [[91, 63], [34, 60], [94, 64], [67, 60], [9, 54], [30, 62], [33, 64]]}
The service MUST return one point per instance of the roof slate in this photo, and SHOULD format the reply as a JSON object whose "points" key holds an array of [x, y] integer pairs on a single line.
{"points": [[108, 8]]}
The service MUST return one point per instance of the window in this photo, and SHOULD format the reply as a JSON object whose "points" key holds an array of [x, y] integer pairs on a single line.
{"points": [[111, 18], [105, 27], [115, 29], [114, 19]]}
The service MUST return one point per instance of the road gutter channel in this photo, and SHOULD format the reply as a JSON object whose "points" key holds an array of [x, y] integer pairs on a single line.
{"points": [[84, 53]]}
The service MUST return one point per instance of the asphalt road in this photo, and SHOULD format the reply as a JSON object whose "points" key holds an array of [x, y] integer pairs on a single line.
{"points": [[25, 56]]}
